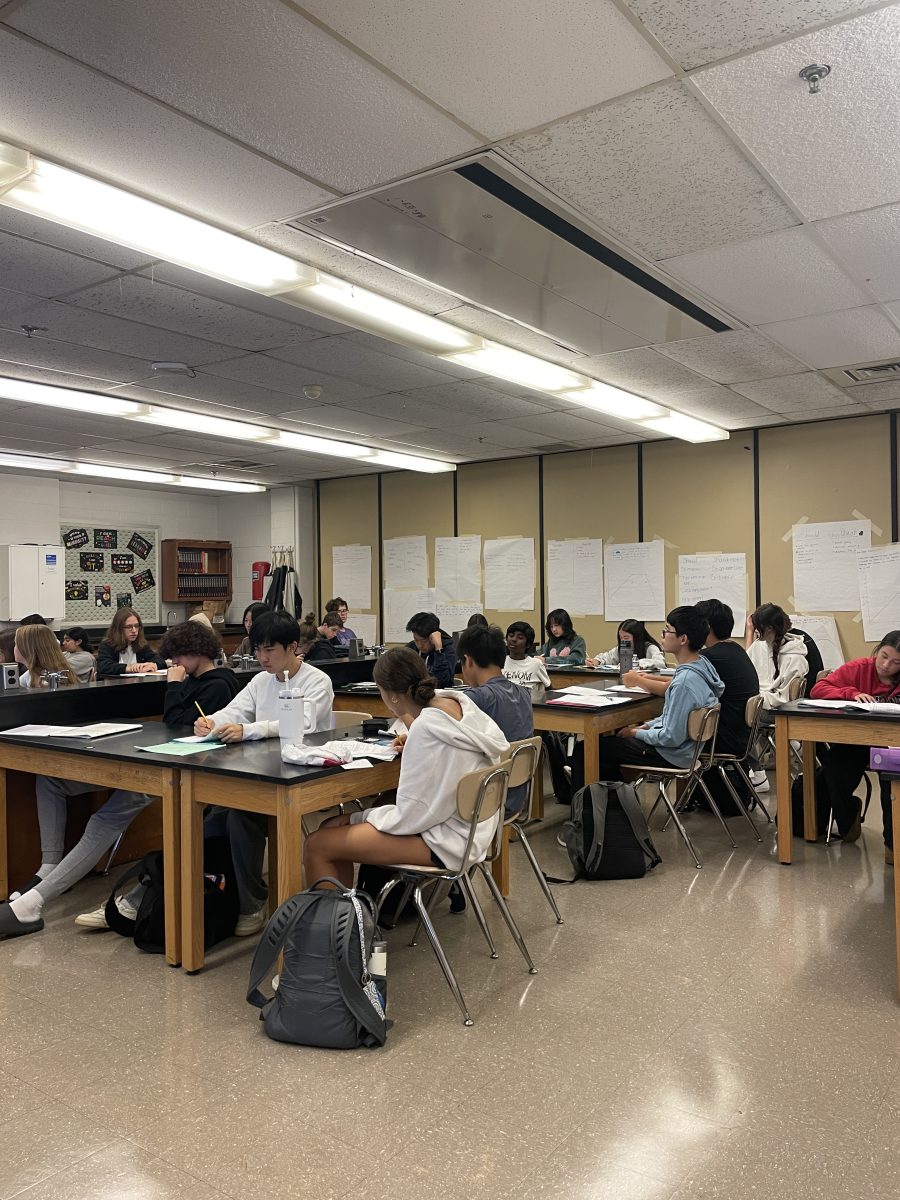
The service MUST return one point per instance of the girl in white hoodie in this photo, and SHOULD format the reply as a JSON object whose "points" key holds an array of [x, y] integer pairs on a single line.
{"points": [[449, 736], [779, 657]]}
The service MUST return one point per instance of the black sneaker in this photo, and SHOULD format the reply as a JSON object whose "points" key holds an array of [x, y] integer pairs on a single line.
{"points": [[457, 899]]}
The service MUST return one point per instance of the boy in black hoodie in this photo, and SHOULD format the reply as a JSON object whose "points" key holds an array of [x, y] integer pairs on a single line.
{"points": [[193, 677], [435, 646]]}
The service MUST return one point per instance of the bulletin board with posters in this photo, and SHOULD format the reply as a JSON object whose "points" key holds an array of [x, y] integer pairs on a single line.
{"points": [[109, 568]]}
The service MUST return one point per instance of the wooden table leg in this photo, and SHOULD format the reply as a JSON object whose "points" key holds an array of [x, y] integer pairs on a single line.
{"points": [[783, 789], [895, 808], [171, 818], [192, 953], [500, 866], [810, 823], [591, 756], [289, 855], [273, 864], [4, 840]]}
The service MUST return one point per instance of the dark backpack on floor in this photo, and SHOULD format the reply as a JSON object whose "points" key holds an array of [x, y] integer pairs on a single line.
{"points": [[608, 836], [221, 905], [823, 807], [325, 995], [371, 880]]}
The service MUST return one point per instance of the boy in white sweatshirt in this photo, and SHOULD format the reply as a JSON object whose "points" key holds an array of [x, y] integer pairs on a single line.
{"points": [[449, 736], [251, 716]]}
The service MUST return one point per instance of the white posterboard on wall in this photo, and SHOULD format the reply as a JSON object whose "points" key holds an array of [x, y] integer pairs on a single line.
{"points": [[509, 574], [575, 576], [715, 577], [457, 568], [824, 632], [634, 581], [826, 578], [879, 590], [351, 574]]}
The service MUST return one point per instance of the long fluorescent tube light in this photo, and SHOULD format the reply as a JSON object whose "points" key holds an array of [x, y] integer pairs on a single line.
{"points": [[490, 358], [23, 392], [689, 429], [118, 216], [131, 473], [411, 462], [31, 463], [311, 444], [191, 422], [603, 397], [216, 485], [102, 471]]}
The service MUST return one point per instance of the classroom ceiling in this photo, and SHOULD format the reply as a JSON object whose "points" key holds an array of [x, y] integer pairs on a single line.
{"points": [[675, 132]]}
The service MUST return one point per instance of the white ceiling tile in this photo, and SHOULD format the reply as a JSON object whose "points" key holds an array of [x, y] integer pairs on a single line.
{"points": [[134, 141], [277, 82], [868, 244], [419, 357], [731, 357], [150, 302], [503, 433], [48, 233], [150, 448], [347, 359], [15, 304], [511, 333], [441, 441], [474, 400], [208, 392], [832, 153], [264, 371], [839, 339], [347, 420], [656, 170], [565, 427], [33, 445], [645, 373], [582, 53], [772, 278], [44, 271], [721, 407], [409, 409], [827, 414], [793, 392], [87, 383], [63, 356], [701, 31], [876, 395]]}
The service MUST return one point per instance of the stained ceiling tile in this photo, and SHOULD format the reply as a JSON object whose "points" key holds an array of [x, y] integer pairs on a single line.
{"points": [[657, 171], [63, 356], [44, 271], [793, 392], [839, 339], [86, 383], [349, 360], [701, 31], [731, 357], [868, 244], [251, 79], [15, 305], [832, 153], [582, 54], [49, 233], [770, 278]]}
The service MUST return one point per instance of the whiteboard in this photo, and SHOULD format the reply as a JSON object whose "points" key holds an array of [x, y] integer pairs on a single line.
{"points": [[351, 574], [879, 590], [575, 576], [634, 581], [715, 577], [509, 574], [826, 578]]}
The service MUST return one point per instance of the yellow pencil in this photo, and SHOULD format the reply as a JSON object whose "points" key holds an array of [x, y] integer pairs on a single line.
{"points": [[200, 711]]}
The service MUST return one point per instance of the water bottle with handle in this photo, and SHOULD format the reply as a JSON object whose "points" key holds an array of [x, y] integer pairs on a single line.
{"points": [[296, 714], [626, 656]]}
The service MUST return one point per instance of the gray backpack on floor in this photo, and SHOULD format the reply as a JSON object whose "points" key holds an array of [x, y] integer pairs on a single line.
{"points": [[325, 995], [608, 836]]}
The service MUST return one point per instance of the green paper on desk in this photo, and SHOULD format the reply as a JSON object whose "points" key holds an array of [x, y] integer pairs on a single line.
{"points": [[182, 749]]}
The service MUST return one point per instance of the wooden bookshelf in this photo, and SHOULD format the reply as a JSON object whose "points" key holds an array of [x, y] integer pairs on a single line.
{"points": [[195, 570]]}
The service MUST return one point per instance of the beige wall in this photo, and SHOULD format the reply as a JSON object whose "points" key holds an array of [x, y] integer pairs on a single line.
{"points": [[348, 515]]}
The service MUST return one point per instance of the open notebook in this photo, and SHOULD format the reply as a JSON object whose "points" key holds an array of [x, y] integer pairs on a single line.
{"points": [[99, 730]]}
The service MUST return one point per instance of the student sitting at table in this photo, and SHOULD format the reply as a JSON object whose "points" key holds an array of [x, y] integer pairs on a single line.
{"points": [[874, 678], [664, 741], [449, 736], [124, 649], [193, 677], [479, 620], [780, 657], [338, 606], [316, 640], [434, 645], [37, 650], [521, 666], [646, 649], [251, 612], [563, 647], [250, 716], [76, 648]]}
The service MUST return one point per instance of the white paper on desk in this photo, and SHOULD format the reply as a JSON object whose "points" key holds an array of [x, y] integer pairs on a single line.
{"points": [[399, 606], [575, 575], [630, 691], [824, 632], [879, 590], [33, 731], [509, 574], [826, 578], [823, 703], [198, 737], [364, 625], [723, 576], [457, 568], [356, 764], [596, 701], [634, 581], [405, 562], [351, 575]]}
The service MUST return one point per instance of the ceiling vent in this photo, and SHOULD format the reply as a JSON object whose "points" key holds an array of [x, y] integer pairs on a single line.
{"points": [[865, 373], [229, 464]]}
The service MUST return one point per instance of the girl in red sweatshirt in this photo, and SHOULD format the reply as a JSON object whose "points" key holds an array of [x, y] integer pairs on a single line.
{"points": [[875, 678]]}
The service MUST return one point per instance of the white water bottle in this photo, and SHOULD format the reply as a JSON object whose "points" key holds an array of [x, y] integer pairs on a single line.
{"points": [[294, 714], [378, 960]]}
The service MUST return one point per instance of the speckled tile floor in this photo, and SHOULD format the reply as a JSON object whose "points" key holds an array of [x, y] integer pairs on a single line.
{"points": [[732, 1032]]}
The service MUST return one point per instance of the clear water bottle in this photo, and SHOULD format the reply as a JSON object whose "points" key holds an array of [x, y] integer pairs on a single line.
{"points": [[626, 657]]}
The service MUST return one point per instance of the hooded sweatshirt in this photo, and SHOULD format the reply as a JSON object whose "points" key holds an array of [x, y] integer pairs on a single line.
{"points": [[437, 753], [695, 684], [854, 677], [439, 663], [559, 652], [792, 664]]}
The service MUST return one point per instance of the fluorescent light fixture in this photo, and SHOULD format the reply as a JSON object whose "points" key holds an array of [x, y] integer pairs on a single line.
{"points": [[122, 473], [216, 485], [72, 199], [191, 422], [490, 358], [23, 392], [689, 429], [409, 462], [31, 463], [377, 314], [287, 440], [603, 397]]}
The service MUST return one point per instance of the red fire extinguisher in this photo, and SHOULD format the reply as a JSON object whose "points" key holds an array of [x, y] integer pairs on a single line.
{"points": [[259, 571]]}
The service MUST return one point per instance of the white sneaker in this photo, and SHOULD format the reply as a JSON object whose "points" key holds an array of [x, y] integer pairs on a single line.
{"points": [[760, 781], [250, 923], [97, 918]]}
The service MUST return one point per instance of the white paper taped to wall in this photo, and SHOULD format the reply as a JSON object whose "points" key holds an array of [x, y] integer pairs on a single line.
{"points": [[351, 574], [715, 577], [365, 626], [826, 578], [454, 614], [879, 590], [399, 606], [634, 581], [575, 575], [405, 562], [824, 632], [457, 568], [509, 574]]}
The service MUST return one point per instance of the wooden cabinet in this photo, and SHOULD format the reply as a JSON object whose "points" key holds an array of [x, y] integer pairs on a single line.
{"points": [[195, 571]]}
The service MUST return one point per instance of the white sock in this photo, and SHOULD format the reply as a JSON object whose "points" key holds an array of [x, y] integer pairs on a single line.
{"points": [[28, 907]]}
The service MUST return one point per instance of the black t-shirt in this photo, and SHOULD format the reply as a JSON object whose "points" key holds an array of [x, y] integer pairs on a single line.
{"points": [[738, 673]]}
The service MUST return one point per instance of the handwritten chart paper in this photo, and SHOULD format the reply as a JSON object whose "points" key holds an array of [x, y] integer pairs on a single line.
{"points": [[405, 562], [454, 614], [715, 577], [825, 573], [351, 574], [365, 626], [879, 590], [400, 606], [509, 574], [575, 575], [824, 632], [634, 581], [457, 567]]}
